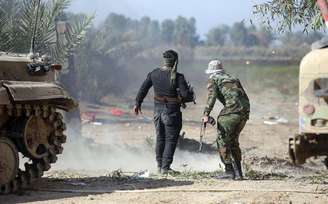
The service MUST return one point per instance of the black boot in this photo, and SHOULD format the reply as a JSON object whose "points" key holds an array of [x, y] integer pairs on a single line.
{"points": [[238, 170], [229, 172], [168, 170], [325, 162]]}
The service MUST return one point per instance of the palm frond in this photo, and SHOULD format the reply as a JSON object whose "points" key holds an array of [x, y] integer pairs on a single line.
{"points": [[4, 32], [9, 12], [17, 21], [48, 20]]}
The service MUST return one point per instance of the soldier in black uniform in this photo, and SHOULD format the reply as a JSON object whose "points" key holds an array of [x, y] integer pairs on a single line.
{"points": [[167, 115]]}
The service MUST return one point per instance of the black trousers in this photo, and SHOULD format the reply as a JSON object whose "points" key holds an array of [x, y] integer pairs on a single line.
{"points": [[168, 124]]}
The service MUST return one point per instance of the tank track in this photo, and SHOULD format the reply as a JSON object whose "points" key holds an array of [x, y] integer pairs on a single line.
{"points": [[35, 167]]}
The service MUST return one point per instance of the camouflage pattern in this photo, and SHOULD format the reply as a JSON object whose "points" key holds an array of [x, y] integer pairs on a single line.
{"points": [[229, 92], [232, 118], [229, 128]]}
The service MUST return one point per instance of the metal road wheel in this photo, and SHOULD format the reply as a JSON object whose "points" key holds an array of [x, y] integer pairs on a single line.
{"points": [[37, 135], [9, 162]]}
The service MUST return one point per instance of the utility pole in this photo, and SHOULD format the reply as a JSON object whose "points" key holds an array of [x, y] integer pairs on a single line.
{"points": [[69, 80]]}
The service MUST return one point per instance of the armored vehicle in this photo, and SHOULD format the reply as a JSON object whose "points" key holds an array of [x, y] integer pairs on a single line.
{"points": [[30, 122], [312, 139]]}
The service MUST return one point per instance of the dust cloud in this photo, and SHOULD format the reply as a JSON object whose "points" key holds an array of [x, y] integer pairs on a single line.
{"points": [[84, 154]]}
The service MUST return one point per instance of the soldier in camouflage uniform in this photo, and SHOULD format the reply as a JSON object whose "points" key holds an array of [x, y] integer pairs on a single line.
{"points": [[232, 118]]}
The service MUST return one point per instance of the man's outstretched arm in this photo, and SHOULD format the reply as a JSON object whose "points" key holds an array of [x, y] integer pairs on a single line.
{"points": [[142, 93]]}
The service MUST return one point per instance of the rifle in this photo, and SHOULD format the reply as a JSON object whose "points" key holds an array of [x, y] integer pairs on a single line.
{"points": [[211, 121]]}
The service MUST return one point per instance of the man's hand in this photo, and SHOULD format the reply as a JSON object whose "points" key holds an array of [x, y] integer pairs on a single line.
{"points": [[137, 110], [205, 119]]}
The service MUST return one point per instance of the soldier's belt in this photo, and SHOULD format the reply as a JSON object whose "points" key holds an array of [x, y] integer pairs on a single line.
{"points": [[165, 99]]}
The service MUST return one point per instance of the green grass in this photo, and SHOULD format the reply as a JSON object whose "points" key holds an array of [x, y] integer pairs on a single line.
{"points": [[255, 78]]}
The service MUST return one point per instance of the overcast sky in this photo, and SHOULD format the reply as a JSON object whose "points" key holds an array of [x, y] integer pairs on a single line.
{"points": [[208, 13]]}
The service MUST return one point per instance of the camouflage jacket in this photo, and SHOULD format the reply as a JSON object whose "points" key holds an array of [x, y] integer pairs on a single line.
{"points": [[229, 91]]}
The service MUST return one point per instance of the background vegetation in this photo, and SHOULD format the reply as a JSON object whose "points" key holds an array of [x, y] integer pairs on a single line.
{"points": [[101, 59], [286, 14]]}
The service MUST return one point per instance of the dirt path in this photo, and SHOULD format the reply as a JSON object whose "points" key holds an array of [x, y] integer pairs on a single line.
{"points": [[85, 175], [174, 191]]}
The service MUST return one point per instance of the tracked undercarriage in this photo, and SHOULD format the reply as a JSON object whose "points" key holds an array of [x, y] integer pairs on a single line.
{"points": [[31, 126], [35, 131]]}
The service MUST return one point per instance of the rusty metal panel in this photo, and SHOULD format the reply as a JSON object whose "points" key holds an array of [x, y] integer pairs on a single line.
{"points": [[15, 69], [38, 91], [4, 97], [26, 91]]}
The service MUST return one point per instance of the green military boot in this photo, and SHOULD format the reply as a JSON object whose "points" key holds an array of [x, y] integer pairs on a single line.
{"points": [[229, 173]]}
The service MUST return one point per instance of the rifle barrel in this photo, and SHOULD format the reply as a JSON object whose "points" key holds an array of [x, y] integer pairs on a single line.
{"points": [[202, 133]]}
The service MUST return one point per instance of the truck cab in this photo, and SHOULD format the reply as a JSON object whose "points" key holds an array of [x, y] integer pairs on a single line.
{"points": [[312, 138]]}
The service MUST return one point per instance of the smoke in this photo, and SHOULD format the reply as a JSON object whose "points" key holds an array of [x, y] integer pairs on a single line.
{"points": [[81, 153]]}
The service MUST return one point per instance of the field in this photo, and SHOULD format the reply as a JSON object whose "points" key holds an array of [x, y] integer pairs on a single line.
{"points": [[115, 163]]}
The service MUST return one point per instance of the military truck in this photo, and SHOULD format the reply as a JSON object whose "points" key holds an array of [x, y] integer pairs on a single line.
{"points": [[31, 124], [312, 139]]}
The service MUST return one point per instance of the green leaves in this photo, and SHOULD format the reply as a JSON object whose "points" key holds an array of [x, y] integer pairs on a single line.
{"points": [[17, 21], [286, 14]]}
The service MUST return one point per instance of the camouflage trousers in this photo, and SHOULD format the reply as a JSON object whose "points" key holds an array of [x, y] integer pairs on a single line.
{"points": [[229, 128]]}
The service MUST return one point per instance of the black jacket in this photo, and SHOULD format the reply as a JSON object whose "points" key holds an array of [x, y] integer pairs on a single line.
{"points": [[160, 80]]}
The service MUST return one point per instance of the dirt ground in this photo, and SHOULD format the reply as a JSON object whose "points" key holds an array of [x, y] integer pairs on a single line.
{"points": [[270, 177]]}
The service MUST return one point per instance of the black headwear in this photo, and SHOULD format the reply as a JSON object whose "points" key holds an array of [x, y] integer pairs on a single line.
{"points": [[171, 60]]}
